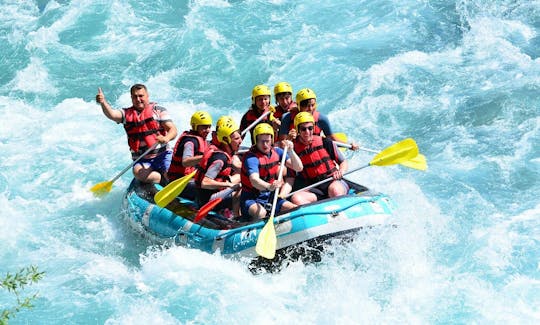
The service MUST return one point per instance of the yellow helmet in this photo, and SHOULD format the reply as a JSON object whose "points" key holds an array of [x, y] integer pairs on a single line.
{"points": [[263, 128], [304, 94], [225, 130], [282, 87], [200, 118], [259, 90], [303, 117], [223, 120]]}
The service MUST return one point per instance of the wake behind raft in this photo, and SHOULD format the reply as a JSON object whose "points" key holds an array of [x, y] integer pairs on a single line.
{"points": [[301, 233]]}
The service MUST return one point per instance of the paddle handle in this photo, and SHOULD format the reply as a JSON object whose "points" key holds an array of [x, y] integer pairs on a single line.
{"points": [[349, 146], [325, 180], [152, 147], [343, 145], [255, 123]]}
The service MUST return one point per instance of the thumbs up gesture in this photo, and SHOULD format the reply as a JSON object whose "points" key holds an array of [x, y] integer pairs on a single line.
{"points": [[100, 97]]}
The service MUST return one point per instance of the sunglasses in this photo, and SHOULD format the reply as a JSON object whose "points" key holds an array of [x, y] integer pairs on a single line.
{"points": [[304, 128]]}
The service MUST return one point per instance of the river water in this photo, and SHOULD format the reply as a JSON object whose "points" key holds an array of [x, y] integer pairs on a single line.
{"points": [[460, 77]]}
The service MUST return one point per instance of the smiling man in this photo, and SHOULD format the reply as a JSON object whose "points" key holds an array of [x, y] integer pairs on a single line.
{"points": [[259, 174], [321, 159], [146, 125]]}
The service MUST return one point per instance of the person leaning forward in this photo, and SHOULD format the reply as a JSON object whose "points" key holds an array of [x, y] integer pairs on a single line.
{"points": [[146, 124], [259, 174], [217, 170]]}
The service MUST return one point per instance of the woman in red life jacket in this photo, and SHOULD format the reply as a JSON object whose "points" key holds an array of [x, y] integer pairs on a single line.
{"points": [[321, 159], [146, 124], [259, 174], [216, 170], [260, 104], [284, 103]]}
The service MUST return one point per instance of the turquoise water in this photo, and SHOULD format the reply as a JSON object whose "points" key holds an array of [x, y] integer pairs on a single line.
{"points": [[462, 78]]}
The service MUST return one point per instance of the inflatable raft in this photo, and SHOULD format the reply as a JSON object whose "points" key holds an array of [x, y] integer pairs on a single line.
{"points": [[298, 231]]}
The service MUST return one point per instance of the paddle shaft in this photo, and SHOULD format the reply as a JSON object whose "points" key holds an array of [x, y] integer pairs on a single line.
{"points": [[280, 176], [325, 180], [134, 162], [225, 192]]}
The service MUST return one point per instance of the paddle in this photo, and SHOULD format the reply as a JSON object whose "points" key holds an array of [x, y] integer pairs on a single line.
{"points": [[215, 199], [266, 243], [172, 190], [395, 154], [417, 162], [103, 188], [205, 209]]}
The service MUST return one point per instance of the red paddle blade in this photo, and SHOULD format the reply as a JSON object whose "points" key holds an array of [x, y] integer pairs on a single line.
{"points": [[205, 209]]}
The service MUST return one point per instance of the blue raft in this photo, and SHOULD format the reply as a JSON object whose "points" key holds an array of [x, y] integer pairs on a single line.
{"points": [[305, 226]]}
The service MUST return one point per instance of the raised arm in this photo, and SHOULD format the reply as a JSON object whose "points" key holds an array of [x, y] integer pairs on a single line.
{"points": [[112, 114]]}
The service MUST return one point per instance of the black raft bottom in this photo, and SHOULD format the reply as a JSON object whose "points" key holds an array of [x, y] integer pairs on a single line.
{"points": [[307, 252]]}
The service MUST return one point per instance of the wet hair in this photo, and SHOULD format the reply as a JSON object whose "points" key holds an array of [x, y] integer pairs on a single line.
{"points": [[137, 87]]}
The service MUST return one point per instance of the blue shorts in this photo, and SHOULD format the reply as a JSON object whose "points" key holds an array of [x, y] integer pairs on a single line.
{"points": [[159, 163], [265, 199]]}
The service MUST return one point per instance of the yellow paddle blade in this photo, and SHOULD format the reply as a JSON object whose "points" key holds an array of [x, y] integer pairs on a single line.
{"points": [[102, 188], [418, 162], [172, 190], [396, 153], [266, 243], [341, 137]]}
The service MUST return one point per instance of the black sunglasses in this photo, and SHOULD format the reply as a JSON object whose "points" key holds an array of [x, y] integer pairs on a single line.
{"points": [[304, 128]]}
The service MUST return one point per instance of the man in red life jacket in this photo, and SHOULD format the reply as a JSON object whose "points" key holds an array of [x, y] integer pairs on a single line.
{"points": [[145, 123], [217, 170], [260, 104], [259, 174], [321, 159], [189, 150], [306, 99], [283, 93]]}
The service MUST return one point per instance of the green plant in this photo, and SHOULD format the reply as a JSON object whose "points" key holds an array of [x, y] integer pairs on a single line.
{"points": [[15, 283]]}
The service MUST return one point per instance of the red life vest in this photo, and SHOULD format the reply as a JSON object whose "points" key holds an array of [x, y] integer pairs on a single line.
{"points": [[282, 110], [317, 162], [142, 129], [177, 170], [202, 168], [268, 168], [316, 129]]}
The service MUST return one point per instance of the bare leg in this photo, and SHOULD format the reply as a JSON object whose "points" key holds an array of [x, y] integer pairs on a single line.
{"points": [[336, 188], [303, 197], [287, 205], [146, 175], [257, 211]]}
